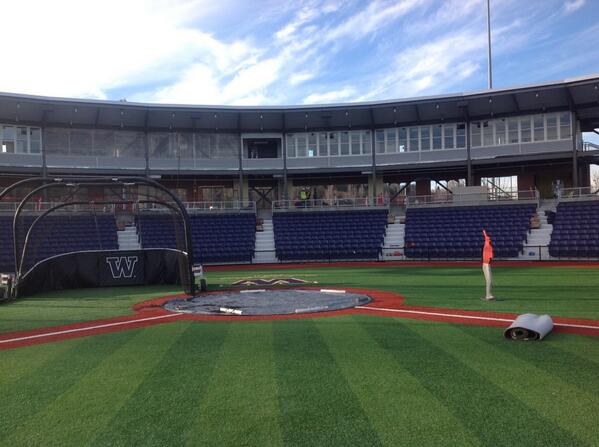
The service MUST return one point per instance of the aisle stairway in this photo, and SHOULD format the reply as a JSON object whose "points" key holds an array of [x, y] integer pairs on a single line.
{"points": [[537, 244], [265, 244], [128, 238], [393, 245]]}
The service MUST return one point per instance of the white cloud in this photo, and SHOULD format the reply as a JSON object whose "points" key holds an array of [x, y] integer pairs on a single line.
{"points": [[375, 16], [573, 5], [433, 66], [76, 48], [301, 77], [330, 97], [289, 52]]}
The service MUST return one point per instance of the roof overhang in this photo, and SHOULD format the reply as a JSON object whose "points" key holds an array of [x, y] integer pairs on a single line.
{"points": [[581, 95]]}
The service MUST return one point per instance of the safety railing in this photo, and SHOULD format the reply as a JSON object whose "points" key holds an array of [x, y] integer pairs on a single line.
{"points": [[477, 198], [390, 253], [574, 194], [329, 204], [192, 207]]}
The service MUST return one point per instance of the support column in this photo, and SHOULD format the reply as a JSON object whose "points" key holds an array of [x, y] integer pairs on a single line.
{"points": [[469, 159], [423, 187], [376, 187], [43, 151], [147, 153], [289, 190], [574, 152], [245, 190], [284, 154]]}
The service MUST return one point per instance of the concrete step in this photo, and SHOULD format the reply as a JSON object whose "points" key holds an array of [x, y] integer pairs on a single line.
{"points": [[264, 258], [127, 237]]}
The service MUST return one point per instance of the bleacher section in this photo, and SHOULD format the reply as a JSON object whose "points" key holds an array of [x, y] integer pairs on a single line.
{"points": [[456, 232], [575, 230], [319, 235], [58, 234], [216, 237]]}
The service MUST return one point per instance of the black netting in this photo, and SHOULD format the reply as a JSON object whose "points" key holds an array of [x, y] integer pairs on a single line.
{"points": [[57, 217]]}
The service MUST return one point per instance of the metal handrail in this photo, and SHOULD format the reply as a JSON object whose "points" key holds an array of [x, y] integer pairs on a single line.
{"points": [[582, 193], [476, 198], [248, 206], [332, 204]]}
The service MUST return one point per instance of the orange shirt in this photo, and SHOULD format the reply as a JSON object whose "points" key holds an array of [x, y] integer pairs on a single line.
{"points": [[487, 249]]}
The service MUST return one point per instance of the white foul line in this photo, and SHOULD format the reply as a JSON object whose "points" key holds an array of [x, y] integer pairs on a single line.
{"points": [[88, 328], [469, 317]]}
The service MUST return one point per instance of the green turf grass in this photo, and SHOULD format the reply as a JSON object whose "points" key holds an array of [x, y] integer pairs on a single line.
{"points": [[347, 380], [558, 291]]}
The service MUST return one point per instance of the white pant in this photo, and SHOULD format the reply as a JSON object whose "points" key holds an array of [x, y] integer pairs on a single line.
{"points": [[488, 280]]}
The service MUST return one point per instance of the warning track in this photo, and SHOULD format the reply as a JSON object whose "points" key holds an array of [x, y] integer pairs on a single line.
{"points": [[384, 303]]}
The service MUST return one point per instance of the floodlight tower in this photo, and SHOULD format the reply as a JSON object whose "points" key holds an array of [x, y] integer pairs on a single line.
{"points": [[490, 67]]}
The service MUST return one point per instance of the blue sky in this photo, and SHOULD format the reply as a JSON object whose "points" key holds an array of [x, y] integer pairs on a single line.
{"points": [[275, 52]]}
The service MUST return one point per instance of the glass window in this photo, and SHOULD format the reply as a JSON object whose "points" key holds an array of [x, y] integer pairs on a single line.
{"points": [[225, 146], [333, 143], [21, 147], [344, 146], [355, 143], [301, 142], [552, 127], [312, 137], [476, 134], [201, 146], [391, 140], [56, 141], [159, 145], [403, 139], [512, 125], [323, 150], [500, 137], [380, 141], [22, 140], [8, 133], [80, 142], [414, 144], [126, 145], [525, 135], [565, 130], [35, 140], [425, 138], [366, 142], [539, 128], [437, 132], [448, 136], [460, 137], [487, 133]]}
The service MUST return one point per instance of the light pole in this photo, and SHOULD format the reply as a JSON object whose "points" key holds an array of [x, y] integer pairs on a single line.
{"points": [[490, 67]]}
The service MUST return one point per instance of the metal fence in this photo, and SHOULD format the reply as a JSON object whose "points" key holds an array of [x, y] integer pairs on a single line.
{"points": [[475, 198], [397, 253], [573, 194], [192, 207], [332, 204]]}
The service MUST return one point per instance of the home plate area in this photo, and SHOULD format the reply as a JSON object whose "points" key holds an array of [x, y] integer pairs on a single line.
{"points": [[270, 282], [268, 302]]}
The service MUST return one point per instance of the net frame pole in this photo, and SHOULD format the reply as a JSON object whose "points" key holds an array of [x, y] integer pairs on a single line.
{"points": [[103, 181]]}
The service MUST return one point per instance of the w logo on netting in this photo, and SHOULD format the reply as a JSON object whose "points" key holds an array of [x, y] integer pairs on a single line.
{"points": [[122, 266]]}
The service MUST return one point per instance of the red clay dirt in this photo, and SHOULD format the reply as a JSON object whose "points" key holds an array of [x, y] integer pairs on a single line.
{"points": [[384, 303]]}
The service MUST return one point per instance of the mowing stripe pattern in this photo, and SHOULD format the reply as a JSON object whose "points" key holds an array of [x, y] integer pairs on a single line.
{"points": [[348, 380]]}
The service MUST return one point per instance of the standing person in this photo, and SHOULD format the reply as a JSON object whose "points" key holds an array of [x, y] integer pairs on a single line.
{"points": [[487, 259]]}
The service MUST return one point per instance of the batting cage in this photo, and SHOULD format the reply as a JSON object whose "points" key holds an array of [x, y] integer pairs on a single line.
{"points": [[85, 232]]}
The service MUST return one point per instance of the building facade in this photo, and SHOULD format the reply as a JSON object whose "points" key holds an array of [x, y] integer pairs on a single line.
{"points": [[376, 149]]}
